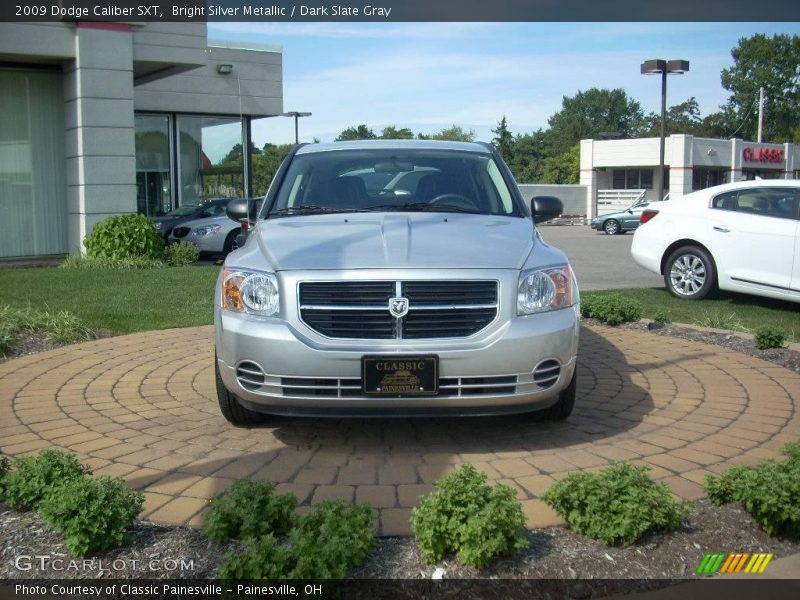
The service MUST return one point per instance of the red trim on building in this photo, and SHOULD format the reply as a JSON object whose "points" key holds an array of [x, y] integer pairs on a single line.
{"points": [[104, 25]]}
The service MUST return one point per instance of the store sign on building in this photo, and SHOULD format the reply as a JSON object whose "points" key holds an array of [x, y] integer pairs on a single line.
{"points": [[762, 155]]}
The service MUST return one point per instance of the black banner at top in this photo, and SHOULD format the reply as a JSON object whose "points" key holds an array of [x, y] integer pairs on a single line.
{"points": [[399, 10]]}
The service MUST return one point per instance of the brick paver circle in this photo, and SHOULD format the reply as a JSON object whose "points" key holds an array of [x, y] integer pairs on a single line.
{"points": [[143, 407]]}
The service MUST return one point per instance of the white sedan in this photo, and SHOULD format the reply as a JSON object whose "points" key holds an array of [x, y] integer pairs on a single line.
{"points": [[742, 237]]}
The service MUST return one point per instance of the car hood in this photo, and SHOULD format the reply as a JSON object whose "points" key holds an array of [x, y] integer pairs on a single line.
{"points": [[391, 240]]}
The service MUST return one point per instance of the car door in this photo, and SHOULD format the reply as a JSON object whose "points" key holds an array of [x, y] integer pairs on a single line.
{"points": [[630, 218], [752, 234]]}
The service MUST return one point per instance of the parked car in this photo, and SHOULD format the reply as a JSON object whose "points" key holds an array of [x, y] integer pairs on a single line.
{"points": [[439, 298], [741, 237], [212, 235], [189, 212], [622, 221]]}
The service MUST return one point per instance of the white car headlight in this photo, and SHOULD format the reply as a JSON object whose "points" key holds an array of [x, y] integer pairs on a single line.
{"points": [[250, 292], [159, 225], [542, 290], [206, 230]]}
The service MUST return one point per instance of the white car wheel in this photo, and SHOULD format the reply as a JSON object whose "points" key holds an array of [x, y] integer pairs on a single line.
{"points": [[689, 273]]}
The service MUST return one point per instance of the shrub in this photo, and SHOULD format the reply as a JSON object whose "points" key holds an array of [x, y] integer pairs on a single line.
{"points": [[5, 465], [611, 308], [662, 316], [325, 544], [181, 254], [60, 327], [123, 236], [104, 262], [34, 478], [93, 514], [769, 337], [249, 509], [616, 505], [467, 516], [769, 491]]}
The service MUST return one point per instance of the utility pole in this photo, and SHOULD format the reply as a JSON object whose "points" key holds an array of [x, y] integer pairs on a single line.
{"points": [[760, 113]]}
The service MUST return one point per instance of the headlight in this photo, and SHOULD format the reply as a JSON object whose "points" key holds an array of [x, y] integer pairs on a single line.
{"points": [[207, 230], [543, 290], [250, 292], [158, 225]]}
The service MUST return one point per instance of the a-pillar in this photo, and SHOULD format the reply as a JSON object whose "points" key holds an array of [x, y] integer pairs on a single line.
{"points": [[100, 141]]}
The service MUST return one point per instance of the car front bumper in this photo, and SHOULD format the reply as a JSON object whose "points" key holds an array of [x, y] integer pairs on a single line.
{"points": [[205, 243], [491, 374]]}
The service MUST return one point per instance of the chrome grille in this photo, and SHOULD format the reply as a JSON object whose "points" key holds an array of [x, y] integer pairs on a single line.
{"points": [[360, 309], [351, 388], [546, 373]]}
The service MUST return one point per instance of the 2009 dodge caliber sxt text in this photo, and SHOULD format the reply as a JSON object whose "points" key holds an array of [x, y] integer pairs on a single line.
{"points": [[396, 278]]}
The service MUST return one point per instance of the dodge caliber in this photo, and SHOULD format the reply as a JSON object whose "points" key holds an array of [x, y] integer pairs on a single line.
{"points": [[395, 278]]}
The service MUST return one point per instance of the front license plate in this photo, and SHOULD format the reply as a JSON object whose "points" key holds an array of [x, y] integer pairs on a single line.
{"points": [[400, 375]]}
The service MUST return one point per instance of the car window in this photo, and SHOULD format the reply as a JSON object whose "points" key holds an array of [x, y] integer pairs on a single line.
{"points": [[413, 179], [765, 201]]}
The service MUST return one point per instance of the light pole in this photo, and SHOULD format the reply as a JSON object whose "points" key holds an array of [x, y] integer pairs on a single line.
{"points": [[651, 67], [296, 116]]}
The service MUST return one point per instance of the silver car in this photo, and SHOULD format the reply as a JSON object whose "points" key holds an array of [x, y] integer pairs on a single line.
{"points": [[212, 235], [442, 299]]}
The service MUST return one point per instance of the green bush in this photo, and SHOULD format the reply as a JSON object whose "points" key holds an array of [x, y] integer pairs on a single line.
{"points": [[5, 465], [60, 327], [769, 337], [35, 478], [181, 254], [662, 316], [616, 505], [124, 236], [249, 509], [769, 491], [93, 514], [611, 308], [325, 544], [467, 516], [103, 262]]}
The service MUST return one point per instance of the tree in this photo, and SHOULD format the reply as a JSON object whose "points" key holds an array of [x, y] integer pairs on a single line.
{"points": [[393, 133], [591, 113], [360, 132], [265, 165], [681, 118], [528, 151], [454, 134], [503, 141], [774, 64], [562, 169]]}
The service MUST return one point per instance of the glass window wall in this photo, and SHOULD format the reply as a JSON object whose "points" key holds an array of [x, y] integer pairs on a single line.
{"points": [[153, 175]]}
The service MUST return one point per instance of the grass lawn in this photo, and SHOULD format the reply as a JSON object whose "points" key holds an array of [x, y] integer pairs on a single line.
{"points": [[121, 301], [724, 310]]}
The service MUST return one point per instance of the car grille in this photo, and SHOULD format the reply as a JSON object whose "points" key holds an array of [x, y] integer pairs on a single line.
{"points": [[546, 373], [180, 232], [360, 309]]}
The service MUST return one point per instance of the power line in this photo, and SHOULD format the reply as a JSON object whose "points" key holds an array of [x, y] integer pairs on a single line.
{"points": [[752, 106]]}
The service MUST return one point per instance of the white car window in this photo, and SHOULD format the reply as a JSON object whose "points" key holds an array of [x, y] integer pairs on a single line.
{"points": [[764, 202]]}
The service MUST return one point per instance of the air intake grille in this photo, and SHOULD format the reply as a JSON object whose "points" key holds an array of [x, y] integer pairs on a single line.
{"points": [[546, 373], [250, 375], [436, 309]]}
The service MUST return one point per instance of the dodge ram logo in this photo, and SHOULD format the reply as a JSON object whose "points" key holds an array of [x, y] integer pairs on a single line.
{"points": [[398, 307]]}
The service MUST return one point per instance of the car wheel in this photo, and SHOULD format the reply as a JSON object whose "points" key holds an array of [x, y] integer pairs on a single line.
{"points": [[230, 241], [566, 402], [689, 273], [230, 406], [611, 227]]}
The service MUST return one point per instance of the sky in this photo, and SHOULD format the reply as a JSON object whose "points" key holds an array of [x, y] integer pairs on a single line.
{"points": [[427, 76]]}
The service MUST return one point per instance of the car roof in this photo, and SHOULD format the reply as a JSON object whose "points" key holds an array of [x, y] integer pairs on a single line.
{"points": [[394, 145], [740, 185]]}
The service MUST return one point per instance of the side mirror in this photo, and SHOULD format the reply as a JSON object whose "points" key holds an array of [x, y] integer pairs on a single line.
{"points": [[544, 208], [242, 209]]}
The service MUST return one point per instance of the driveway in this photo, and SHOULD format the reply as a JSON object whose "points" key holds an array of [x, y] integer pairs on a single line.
{"points": [[143, 407], [600, 261]]}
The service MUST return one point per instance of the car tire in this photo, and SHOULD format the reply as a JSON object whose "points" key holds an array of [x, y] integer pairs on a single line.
{"points": [[689, 273], [229, 240], [611, 227], [231, 408], [566, 402]]}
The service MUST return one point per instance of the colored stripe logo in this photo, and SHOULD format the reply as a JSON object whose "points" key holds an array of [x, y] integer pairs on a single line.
{"points": [[734, 562]]}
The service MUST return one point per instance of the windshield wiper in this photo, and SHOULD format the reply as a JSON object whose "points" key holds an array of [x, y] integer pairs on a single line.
{"points": [[305, 210]]}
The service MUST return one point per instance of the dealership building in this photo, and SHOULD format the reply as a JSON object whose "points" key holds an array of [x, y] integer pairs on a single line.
{"points": [[616, 173], [107, 118]]}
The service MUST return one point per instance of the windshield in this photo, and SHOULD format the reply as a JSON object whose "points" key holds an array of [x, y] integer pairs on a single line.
{"points": [[394, 180]]}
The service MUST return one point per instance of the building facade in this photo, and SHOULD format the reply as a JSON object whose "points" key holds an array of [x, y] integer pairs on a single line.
{"points": [[618, 172], [112, 118]]}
